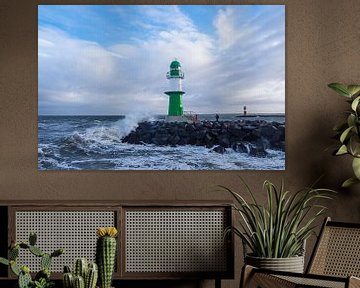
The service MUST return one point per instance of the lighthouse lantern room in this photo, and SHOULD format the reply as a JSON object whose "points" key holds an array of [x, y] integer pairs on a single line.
{"points": [[175, 76]]}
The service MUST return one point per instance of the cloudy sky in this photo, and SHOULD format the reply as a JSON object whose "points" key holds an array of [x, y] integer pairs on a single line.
{"points": [[110, 60]]}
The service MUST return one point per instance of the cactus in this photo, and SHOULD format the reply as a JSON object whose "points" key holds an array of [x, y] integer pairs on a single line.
{"points": [[13, 253], [105, 254], [80, 267], [42, 278], [79, 282], [32, 238], [57, 253], [45, 261], [36, 251], [44, 273], [24, 280], [25, 269], [24, 245], [68, 280], [67, 269], [90, 272], [4, 261], [91, 276], [14, 268]]}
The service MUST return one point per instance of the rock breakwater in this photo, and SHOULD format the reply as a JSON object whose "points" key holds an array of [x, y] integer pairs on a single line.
{"points": [[246, 136]]}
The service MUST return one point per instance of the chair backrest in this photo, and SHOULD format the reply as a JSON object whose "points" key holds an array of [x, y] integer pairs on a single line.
{"points": [[337, 251]]}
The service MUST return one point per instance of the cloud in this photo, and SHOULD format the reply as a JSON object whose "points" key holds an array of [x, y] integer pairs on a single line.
{"points": [[241, 63]]}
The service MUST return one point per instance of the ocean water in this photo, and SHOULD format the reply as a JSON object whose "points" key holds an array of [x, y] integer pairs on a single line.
{"points": [[94, 143]]}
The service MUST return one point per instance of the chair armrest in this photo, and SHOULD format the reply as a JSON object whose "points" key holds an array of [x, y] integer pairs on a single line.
{"points": [[246, 273]]}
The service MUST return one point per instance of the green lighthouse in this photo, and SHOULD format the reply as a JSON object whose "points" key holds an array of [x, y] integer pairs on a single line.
{"points": [[175, 76]]}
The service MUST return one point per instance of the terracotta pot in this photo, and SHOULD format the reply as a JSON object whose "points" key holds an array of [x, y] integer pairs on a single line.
{"points": [[291, 264]]}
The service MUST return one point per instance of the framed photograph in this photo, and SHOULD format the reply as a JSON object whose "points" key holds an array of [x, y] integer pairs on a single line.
{"points": [[161, 87]]}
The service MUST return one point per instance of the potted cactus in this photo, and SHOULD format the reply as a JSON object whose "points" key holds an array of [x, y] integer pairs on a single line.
{"points": [[106, 254], [84, 275], [42, 278]]}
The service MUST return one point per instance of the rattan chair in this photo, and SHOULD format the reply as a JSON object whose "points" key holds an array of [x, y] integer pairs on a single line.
{"points": [[334, 263]]}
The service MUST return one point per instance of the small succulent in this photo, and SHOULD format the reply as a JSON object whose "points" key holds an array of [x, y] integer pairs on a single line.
{"points": [[43, 283]]}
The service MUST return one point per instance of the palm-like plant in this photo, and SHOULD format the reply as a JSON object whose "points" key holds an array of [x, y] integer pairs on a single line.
{"points": [[280, 229]]}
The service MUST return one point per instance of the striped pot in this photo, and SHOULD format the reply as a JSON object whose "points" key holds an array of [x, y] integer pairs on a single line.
{"points": [[291, 264]]}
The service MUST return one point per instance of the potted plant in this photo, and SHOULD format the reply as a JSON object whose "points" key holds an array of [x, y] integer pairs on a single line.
{"points": [[276, 233], [348, 132]]}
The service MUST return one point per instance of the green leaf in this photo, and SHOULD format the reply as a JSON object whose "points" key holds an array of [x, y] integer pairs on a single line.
{"points": [[351, 120], [345, 134], [356, 167], [353, 89], [355, 103], [4, 261], [354, 145], [340, 88], [349, 182], [342, 150]]}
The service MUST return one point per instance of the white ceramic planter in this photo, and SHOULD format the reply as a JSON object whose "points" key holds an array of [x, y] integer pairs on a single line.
{"points": [[291, 264]]}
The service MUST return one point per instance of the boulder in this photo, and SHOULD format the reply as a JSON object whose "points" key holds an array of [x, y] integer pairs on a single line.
{"points": [[174, 140], [237, 131], [257, 149], [241, 147], [224, 141], [184, 141], [219, 149]]}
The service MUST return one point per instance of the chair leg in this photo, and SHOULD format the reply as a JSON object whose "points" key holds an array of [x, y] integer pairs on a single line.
{"points": [[217, 283]]}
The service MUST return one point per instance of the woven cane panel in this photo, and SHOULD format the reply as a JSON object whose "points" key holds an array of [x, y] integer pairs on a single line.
{"points": [[268, 280], [75, 231], [339, 252], [308, 282], [175, 241]]}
